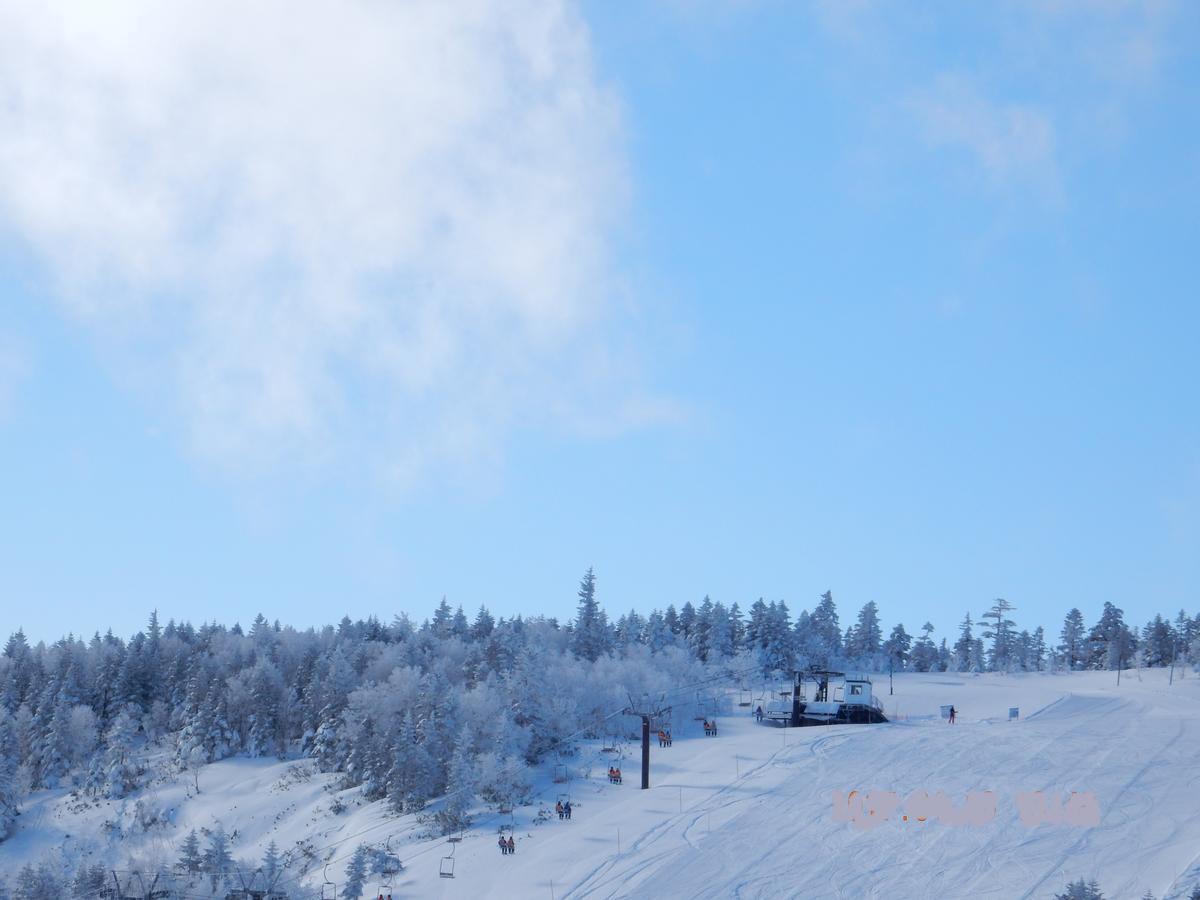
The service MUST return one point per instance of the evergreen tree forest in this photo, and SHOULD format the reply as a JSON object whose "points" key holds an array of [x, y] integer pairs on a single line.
{"points": [[457, 706]]}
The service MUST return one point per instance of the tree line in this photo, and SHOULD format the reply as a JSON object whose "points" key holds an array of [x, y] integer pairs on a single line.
{"points": [[457, 706]]}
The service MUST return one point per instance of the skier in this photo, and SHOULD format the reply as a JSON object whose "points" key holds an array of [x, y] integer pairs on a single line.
{"points": [[558, 808], [953, 713], [512, 846], [758, 713], [503, 846], [662, 738], [567, 810]]}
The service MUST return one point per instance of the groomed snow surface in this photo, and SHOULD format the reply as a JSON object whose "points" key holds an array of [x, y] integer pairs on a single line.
{"points": [[749, 813]]}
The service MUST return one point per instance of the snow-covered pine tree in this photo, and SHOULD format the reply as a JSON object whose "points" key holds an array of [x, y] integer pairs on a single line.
{"points": [[687, 622], [1037, 650], [88, 881], [700, 638], [1000, 633], [460, 786], [825, 642], [271, 865], [218, 860], [1073, 641], [356, 873], [1110, 643], [867, 637], [410, 780], [720, 634], [658, 632], [191, 860], [964, 645], [42, 882], [591, 639], [120, 773], [9, 748], [896, 647], [266, 692], [778, 651], [924, 653], [1081, 890]]}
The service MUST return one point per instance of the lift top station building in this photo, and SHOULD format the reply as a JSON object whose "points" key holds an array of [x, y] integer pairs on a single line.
{"points": [[820, 697]]}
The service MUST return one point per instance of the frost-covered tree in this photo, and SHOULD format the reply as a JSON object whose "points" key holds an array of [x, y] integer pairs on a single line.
{"points": [[591, 638], [964, 645], [721, 639], [1081, 890], [460, 786], [9, 748], [42, 882], [924, 653], [191, 860], [1110, 642], [865, 637], [1158, 642], [896, 647], [120, 772], [266, 724], [823, 643], [1073, 641], [218, 860], [88, 881], [999, 630], [356, 873], [271, 864], [1037, 649]]}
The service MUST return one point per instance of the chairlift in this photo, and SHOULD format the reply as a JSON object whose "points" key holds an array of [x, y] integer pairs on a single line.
{"points": [[511, 825], [446, 868], [744, 696], [388, 868], [456, 837], [611, 743], [328, 889], [560, 773]]}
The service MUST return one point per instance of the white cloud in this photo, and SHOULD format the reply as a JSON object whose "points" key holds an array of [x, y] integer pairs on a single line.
{"points": [[322, 223], [1009, 141]]}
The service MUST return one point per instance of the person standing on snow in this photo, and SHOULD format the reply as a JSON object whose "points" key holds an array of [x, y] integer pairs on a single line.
{"points": [[953, 713], [512, 846]]}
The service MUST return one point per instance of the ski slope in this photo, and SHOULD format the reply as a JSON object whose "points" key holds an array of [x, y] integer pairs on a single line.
{"points": [[749, 813]]}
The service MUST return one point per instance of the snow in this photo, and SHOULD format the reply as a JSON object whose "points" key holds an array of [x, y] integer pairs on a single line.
{"points": [[749, 813]]}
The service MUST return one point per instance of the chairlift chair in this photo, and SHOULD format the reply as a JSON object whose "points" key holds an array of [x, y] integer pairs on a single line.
{"points": [[328, 889], [389, 867], [456, 837], [560, 773], [446, 867]]}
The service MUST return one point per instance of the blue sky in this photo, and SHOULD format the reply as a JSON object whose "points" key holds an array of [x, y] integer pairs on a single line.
{"points": [[731, 298]]}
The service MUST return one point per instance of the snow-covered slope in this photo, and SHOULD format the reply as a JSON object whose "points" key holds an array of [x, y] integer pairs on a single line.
{"points": [[750, 813]]}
